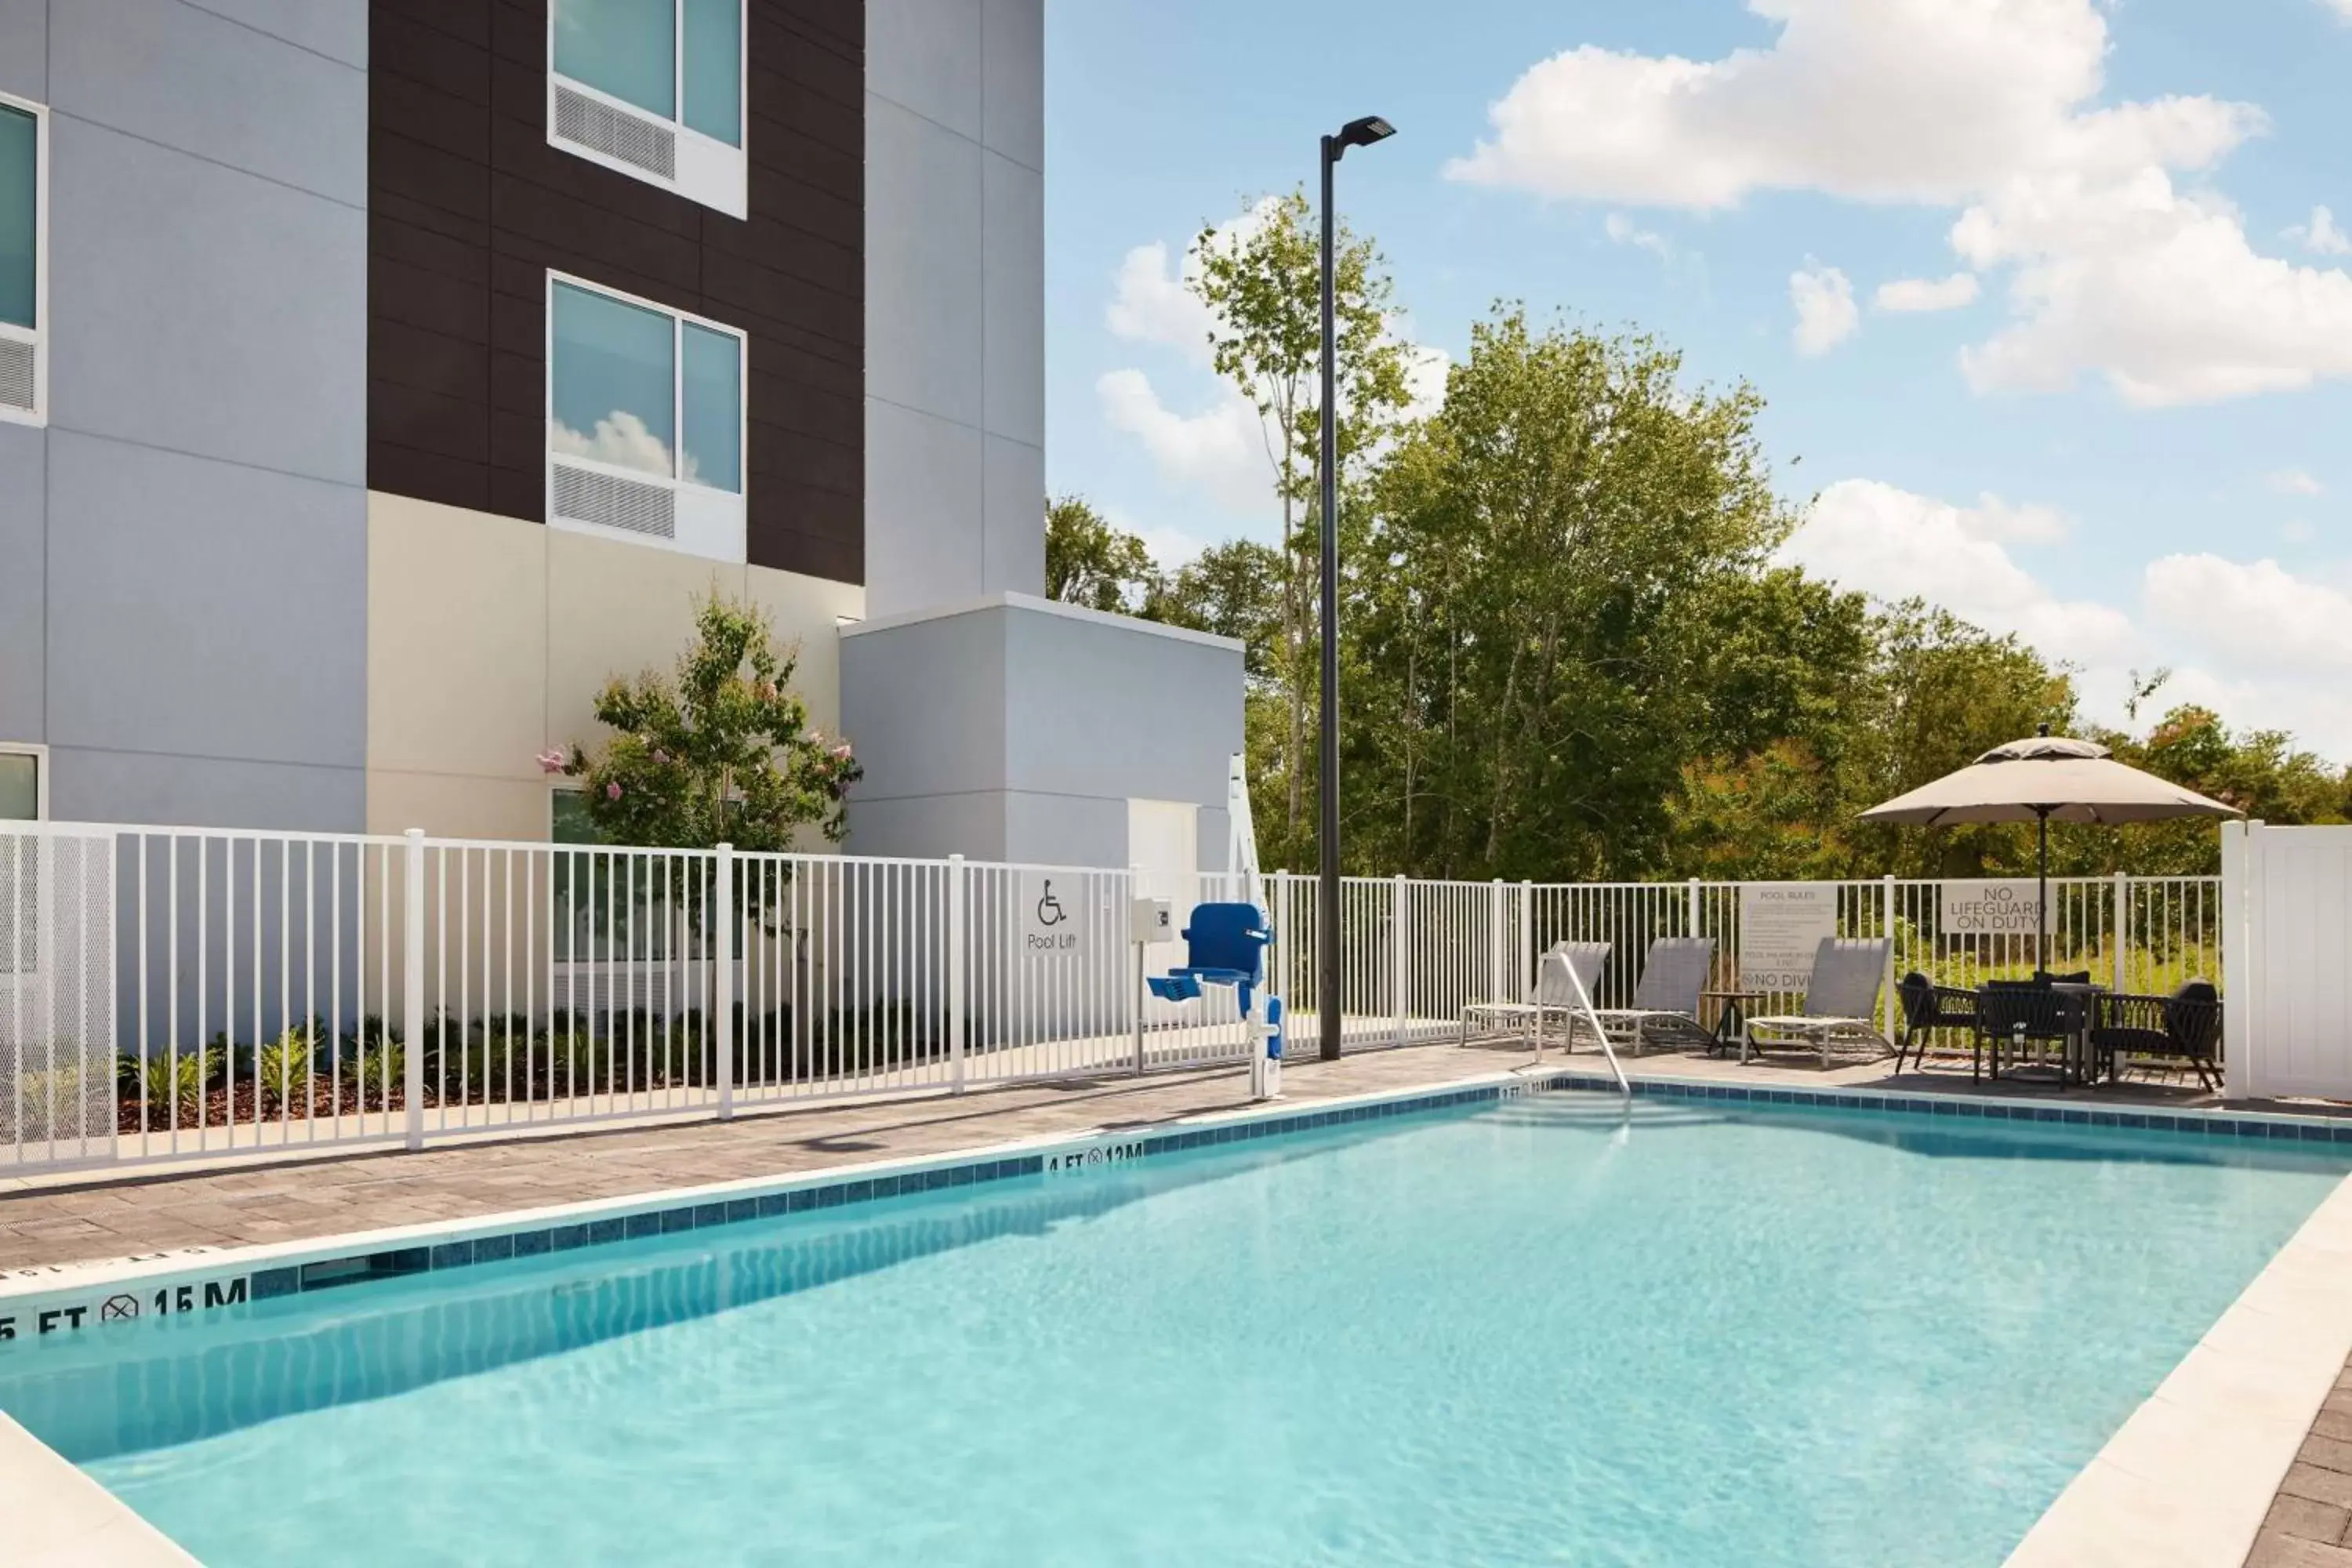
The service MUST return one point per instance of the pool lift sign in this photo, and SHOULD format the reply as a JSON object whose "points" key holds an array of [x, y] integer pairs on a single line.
{"points": [[1052, 907]]}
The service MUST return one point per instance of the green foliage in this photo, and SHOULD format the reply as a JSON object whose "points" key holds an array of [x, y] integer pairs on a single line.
{"points": [[375, 1067], [1234, 590], [1090, 562], [283, 1069], [167, 1082], [723, 752]]}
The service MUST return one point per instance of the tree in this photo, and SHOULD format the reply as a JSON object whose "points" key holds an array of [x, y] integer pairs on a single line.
{"points": [[1089, 561], [1528, 615], [723, 751], [1261, 278], [1233, 590]]}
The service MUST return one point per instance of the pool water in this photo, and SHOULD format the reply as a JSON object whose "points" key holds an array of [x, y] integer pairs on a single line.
{"points": [[1541, 1333]]}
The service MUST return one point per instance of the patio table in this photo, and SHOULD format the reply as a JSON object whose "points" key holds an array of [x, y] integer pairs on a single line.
{"points": [[1730, 1018]]}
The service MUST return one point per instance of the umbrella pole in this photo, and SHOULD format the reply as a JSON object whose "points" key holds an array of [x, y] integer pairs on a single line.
{"points": [[2042, 896]]}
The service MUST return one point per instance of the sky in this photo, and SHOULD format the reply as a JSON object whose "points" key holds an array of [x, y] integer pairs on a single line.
{"points": [[2049, 300]]}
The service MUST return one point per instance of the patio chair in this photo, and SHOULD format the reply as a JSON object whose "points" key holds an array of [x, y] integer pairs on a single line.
{"points": [[1554, 993], [1839, 1000], [1665, 999], [2014, 1012], [1928, 1008], [2184, 1027]]}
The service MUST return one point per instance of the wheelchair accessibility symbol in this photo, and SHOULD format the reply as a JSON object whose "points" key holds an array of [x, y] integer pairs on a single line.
{"points": [[1050, 928]]}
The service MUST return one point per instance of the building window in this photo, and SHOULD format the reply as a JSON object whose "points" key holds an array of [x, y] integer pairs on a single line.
{"points": [[644, 421], [23, 785], [24, 279], [653, 89]]}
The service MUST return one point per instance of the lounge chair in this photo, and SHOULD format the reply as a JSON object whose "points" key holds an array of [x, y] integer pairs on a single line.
{"points": [[1928, 1008], [2184, 1027], [1554, 995], [1839, 1000], [1665, 999]]}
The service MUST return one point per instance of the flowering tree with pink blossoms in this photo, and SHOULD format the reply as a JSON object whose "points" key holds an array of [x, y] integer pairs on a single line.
{"points": [[722, 751]]}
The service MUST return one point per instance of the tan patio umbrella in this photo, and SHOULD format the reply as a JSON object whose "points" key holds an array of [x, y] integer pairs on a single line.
{"points": [[2042, 779]]}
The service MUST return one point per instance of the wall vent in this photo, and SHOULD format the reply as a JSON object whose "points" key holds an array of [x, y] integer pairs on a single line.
{"points": [[642, 144], [17, 369], [583, 496]]}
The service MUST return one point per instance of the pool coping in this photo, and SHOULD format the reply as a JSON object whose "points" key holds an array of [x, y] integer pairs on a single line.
{"points": [[60, 1517], [2152, 1468]]}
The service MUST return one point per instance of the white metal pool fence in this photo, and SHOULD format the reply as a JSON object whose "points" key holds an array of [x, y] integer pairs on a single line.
{"points": [[180, 992]]}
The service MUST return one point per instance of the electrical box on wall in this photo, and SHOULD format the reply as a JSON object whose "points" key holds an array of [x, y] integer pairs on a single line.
{"points": [[1153, 919]]}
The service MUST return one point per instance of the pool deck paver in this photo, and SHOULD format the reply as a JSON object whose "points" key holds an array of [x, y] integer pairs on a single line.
{"points": [[2310, 1521]]}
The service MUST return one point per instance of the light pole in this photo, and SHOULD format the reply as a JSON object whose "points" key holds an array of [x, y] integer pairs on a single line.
{"points": [[1362, 132]]}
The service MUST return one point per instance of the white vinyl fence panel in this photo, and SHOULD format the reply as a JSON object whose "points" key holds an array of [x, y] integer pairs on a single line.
{"points": [[2288, 1016]]}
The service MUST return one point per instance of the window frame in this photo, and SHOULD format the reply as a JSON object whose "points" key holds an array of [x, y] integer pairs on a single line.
{"points": [[676, 120], [40, 755], [674, 482], [39, 331]]}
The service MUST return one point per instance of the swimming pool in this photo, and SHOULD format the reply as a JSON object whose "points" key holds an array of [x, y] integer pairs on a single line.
{"points": [[1537, 1331]]}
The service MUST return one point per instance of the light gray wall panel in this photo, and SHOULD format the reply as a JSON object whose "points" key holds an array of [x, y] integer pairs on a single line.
{"points": [[337, 28], [1065, 830], [955, 297], [924, 706], [205, 608], [927, 476], [1015, 500], [924, 338], [925, 55], [25, 48], [1013, 80], [930, 827], [23, 571], [204, 309], [1057, 719], [1094, 707], [169, 72], [203, 791], [1013, 378]]}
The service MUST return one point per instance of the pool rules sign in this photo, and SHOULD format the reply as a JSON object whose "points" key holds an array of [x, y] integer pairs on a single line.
{"points": [[1781, 925]]}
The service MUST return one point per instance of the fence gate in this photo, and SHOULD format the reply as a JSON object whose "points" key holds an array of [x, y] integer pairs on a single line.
{"points": [[56, 996], [2287, 929]]}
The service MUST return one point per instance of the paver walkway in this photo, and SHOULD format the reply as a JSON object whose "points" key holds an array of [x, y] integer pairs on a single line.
{"points": [[114, 1216], [2310, 1521]]}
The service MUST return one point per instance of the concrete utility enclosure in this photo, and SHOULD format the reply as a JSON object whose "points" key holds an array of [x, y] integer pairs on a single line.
{"points": [[1015, 728]]}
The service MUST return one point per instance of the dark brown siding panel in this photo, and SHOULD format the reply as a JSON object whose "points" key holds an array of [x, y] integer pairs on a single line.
{"points": [[469, 209]]}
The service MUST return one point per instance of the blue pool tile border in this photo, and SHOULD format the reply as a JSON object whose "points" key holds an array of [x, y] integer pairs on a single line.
{"points": [[34, 1316]]}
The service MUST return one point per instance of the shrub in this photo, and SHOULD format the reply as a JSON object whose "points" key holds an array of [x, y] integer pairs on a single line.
{"points": [[284, 1068]]}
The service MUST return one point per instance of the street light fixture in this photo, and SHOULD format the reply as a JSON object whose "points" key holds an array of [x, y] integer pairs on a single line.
{"points": [[1362, 132]]}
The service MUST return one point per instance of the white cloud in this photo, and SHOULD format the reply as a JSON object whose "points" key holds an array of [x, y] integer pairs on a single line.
{"points": [[2341, 8], [1623, 230], [620, 438], [1826, 313], [1990, 107], [1928, 293], [2295, 481], [1916, 101], [2257, 644], [1152, 302], [1891, 544], [2255, 614], [2321, 236], [1220, 450]]}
